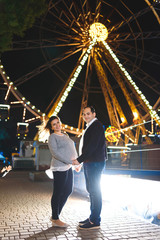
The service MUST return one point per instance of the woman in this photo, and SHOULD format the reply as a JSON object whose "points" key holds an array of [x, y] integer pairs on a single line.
{"points": [[63, 151]]}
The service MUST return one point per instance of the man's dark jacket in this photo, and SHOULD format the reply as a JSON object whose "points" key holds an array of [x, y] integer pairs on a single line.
{"points": [[94, 144]]}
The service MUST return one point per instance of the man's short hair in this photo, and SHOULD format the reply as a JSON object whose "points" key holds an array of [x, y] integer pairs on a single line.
{"points": [[91, 107]]}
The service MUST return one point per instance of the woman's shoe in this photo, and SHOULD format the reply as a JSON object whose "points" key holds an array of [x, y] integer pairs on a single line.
{"points": [[59, 223]]}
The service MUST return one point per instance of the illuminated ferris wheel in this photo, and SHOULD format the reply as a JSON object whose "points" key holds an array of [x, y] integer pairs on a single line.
{"points": [[103, 52]]}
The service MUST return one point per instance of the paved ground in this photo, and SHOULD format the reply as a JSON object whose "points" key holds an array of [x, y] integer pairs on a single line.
{"points": [[25, 213]]}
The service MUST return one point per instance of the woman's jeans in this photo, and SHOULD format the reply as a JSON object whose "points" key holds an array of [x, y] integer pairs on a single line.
{"points": [[92, 172], [62, 188]]}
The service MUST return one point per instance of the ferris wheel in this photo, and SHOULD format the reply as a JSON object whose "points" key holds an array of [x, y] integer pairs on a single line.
{"points": [[104, 53]]}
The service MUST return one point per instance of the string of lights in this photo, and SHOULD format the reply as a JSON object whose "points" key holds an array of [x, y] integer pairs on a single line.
{"points": [[22, 99], [133, 126], [74, 78], [152, 112], [136, 150]]}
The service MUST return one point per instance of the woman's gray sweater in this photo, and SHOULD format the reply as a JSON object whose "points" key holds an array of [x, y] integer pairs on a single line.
{"points": [[62, 149]]}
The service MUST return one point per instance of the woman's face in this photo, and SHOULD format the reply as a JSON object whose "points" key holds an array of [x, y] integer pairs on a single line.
{"points": [[56, 125]]}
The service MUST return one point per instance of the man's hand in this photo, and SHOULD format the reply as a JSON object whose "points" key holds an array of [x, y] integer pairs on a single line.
{"points": [[75, 162]]}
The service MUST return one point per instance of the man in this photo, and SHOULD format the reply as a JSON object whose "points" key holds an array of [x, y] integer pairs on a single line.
{"points": [[92, 155]]}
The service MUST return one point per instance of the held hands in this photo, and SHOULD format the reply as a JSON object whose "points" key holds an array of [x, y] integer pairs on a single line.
{"points": [[75, 162], [78, 168], [77, 165]]}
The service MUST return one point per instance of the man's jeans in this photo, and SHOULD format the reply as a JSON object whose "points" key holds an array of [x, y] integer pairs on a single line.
{"points": [[92, 172]]}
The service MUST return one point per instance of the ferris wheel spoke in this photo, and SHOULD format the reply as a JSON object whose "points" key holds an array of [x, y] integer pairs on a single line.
{"points": [[66, 18], [44, 43], [57, 34], [147, 80], [129, 20], [139, 35], [141, 75], [147, 56], [42, 68]]}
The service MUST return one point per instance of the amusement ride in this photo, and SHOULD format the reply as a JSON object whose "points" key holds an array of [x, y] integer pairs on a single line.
{"points": [[101, 51]]}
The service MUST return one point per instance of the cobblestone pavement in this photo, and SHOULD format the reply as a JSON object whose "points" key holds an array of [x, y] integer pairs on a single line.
{"points": [[25, 214]]}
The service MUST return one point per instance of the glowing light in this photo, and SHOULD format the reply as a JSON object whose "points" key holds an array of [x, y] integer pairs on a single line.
{"points": [[4, 106], [135, 114], [24, 114], [119, 147], [112, 134], [122, 119], [98, 31], [123, 191], [25, 124], [32, 119], [132, 82], [11, 85], [16, 102], [74, 78], [7, 94]]}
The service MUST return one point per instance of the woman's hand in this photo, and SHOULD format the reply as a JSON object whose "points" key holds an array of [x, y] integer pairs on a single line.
{"points": [[78, 168]]}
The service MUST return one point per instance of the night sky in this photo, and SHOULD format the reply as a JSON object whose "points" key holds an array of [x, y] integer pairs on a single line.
{"points": [[43, 88]]}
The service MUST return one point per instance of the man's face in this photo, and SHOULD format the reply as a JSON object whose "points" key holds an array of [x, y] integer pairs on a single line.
{"points": [[88, 115]]}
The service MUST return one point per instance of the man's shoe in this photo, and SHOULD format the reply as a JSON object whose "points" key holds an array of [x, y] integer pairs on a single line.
{"points": [[84, 222], [89, 225]]}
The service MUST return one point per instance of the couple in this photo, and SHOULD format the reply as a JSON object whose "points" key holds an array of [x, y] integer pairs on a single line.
{"points": [[64, 155]]}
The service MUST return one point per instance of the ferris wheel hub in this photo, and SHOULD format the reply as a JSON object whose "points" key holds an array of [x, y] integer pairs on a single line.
{"points": [[99, 31]]}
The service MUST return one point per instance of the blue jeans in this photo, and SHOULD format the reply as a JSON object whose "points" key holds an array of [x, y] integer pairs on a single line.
{"points": [[92, 172]]}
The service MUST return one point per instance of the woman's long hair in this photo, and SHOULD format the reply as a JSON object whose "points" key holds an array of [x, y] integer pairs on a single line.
{"points": [[48, 125]]}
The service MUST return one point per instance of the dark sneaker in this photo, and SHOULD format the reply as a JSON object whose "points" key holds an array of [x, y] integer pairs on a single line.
{"points": [[89, 225], [84, 222]]}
